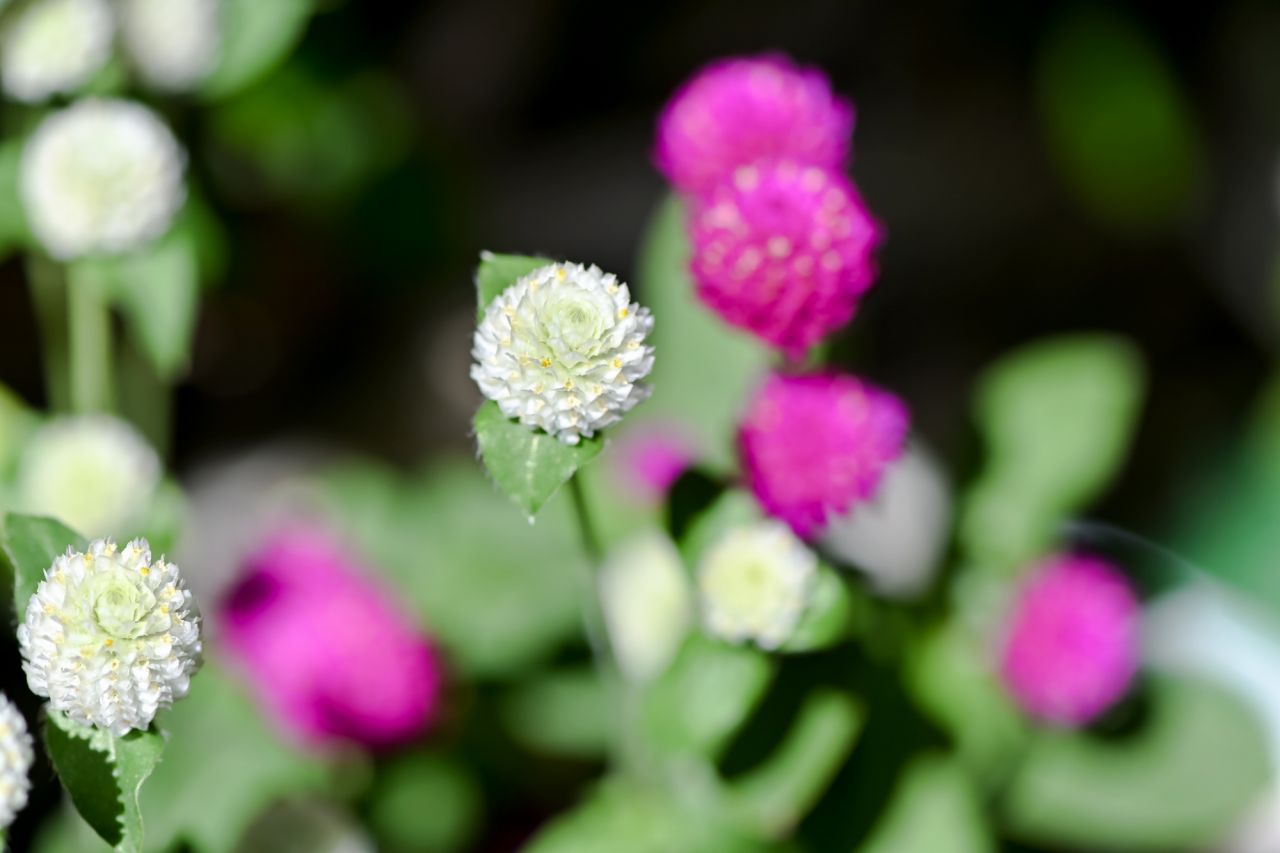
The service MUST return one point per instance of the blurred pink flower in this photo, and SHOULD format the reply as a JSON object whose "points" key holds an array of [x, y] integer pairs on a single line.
{"points": [[812, 446], [327, 651], [1072, 644], [783, 251], [736, 112], [650, 458]]}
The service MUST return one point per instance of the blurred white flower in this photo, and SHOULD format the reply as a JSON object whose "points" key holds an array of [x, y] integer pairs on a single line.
{"points": [[94, 473], [563, 350], [101, 176], [898, 537], [16, 755], [173, 43], [49, 47], [111, 636], [755, 583], [647, 602]]}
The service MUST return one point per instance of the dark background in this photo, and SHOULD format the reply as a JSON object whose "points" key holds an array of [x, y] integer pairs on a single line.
{"points": [[528, 126]]}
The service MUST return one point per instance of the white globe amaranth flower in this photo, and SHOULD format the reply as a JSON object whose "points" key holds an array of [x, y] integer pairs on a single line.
{"points": [[755, 583], [647, 602], [49, 47], [563, 350], [174, 44], [100, 177], [94, 473], [111, 636], [16, 755]]}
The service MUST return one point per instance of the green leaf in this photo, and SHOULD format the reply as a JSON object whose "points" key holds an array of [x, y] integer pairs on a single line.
{"points": [[528, 465], [396, 812], [17, 421], [934, 808], [255, 38], [622, 816], [29, 546], [222, 767], [705, 696], [1179, 783], [157, 290], [104, 775], [498, 272], [1058, 417], [565, 712], [774, 797], [829, 617], [501, 595], [703, 365], [949, 673]]}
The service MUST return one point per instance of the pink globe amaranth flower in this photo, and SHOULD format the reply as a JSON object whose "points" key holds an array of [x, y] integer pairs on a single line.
{"points": [[326, 650], [813, 446], [783, 251], [1072, 644], [736, 112], [650, 458]]}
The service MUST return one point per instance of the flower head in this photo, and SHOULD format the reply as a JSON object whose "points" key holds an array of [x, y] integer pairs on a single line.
{"points": [[647, 604], [173, 43], [16, 755], [101, 176], [783, 251], [111, 636], [330, 654], [755, 583], [94, 473], [1071, 645], [813, 446], [48, 47], [737, 112], [563, 350]]}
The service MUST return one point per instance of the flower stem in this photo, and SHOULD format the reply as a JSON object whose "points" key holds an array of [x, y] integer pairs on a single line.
{"points": [[48, 284], [590, 541], [89, 325]]}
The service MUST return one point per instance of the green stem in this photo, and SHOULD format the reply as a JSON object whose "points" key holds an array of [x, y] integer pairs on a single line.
{"points": [[89, 322], [49, 298], [590, 541]]}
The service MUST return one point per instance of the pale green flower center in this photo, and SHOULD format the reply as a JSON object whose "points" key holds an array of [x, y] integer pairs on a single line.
{"points": [[121, 603]]}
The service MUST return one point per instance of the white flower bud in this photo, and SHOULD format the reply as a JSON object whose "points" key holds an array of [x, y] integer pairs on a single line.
{"points": [[173, 43], [755, 583], [94, 473], [101, 176], [563, 350], [647, 603], [16, 755], [111, 636], [48, 47]]}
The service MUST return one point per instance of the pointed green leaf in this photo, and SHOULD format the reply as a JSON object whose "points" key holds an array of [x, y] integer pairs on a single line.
{"points": [[934, 808], [528, 465], [498, 272], [776, 796], [1058, 417], [104, 775], [256, 37], [1178, 784], [157, 290], [29, 546], [705, 696], [827, 619]]}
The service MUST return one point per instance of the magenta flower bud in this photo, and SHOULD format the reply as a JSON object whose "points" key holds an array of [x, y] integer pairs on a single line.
{"points": [[813, 446], [784, 251], [736, 112], [1072, 643], [328, 652]]}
